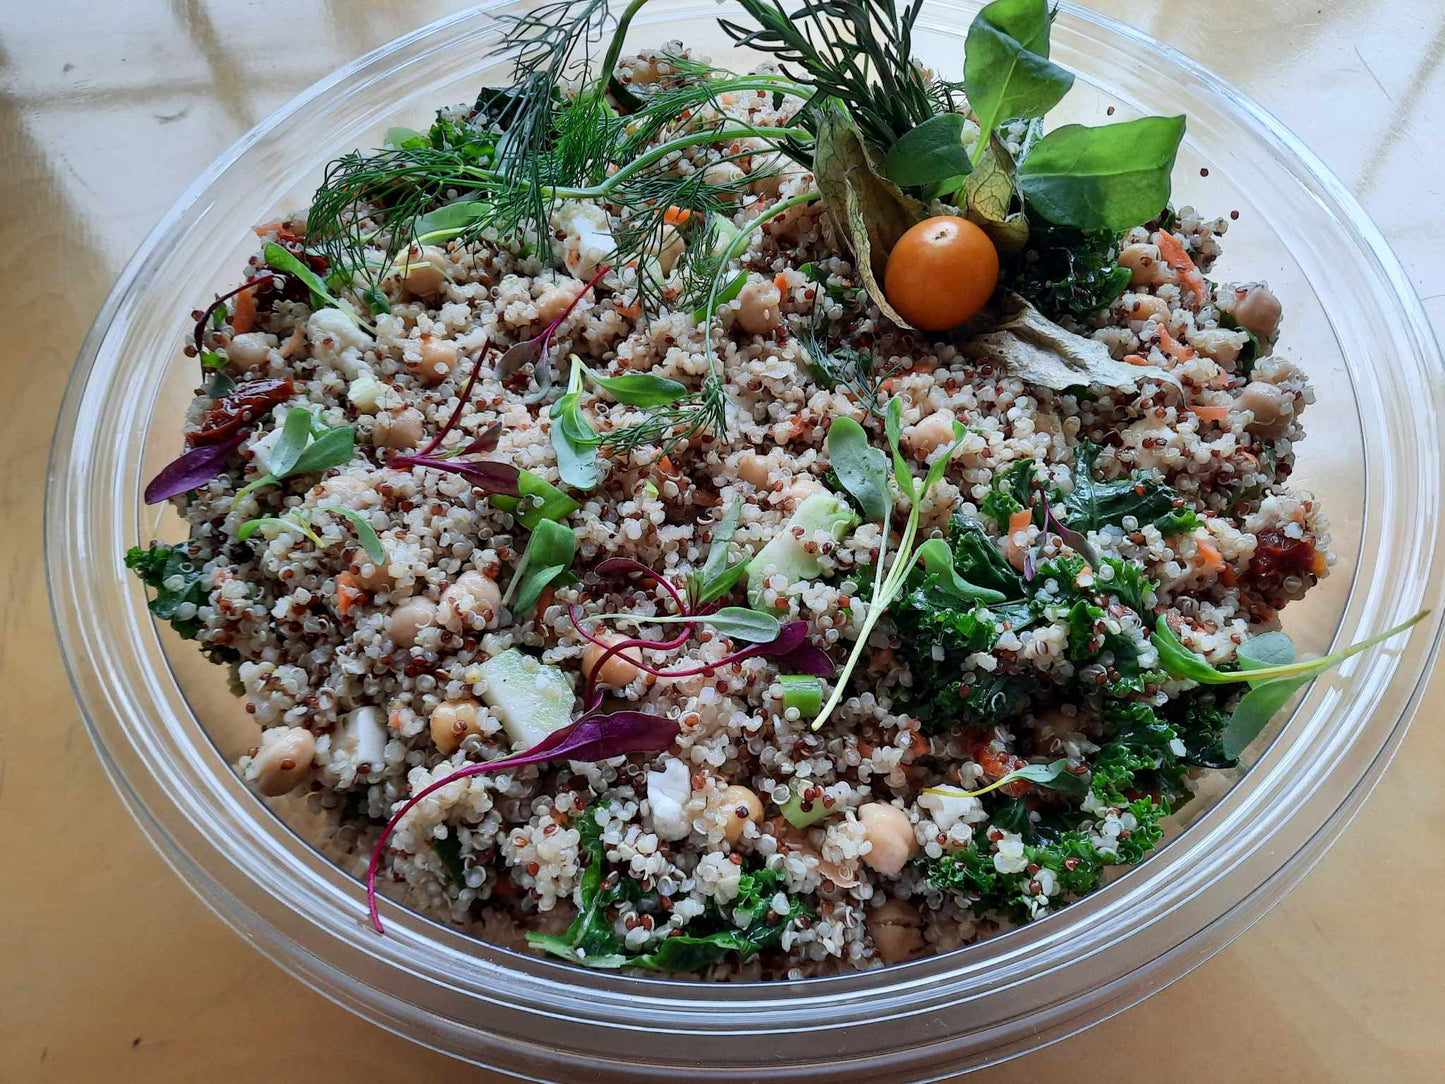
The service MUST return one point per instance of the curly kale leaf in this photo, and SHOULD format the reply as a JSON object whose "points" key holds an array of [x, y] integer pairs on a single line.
{"points": [[1068, 272], [1012, 489], [978, 560], [1094, 504], [176, 581]]}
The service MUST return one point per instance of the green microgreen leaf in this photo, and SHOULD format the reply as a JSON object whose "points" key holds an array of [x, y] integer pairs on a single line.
{"points": [[290, 523], [573, 438], [546, 560], [703, 312], [893, 430], [295, 433], [446, 222], [937, 560], [931, 153], [638, 389], [540, 500], [1052, 776], [280, 259], [716, 577], [861, 468], [1112, 177], [333, 448], [365, 533], [737, 622]]}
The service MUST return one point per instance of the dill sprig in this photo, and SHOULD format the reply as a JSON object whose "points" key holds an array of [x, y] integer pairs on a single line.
{"points": [[858, 51]]}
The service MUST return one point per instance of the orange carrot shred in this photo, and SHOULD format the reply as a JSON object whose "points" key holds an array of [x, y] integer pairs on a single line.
{"points": [[1020, 520], [676, 216], [243, 312], [290, 346], [1177, 257]]}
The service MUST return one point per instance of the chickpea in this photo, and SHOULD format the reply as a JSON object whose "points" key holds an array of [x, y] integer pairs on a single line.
{"points": [[887, 827], [372, 575], [452, 722], [1259, 311], [670, 248], [410, 618], [248, 351], [1266, 402], [897, 930], [616, 671], [742, 806], [1146, 266], [438, 358], [404, 429], [1143, 307], [753, 469], [472, 595], [344, 487], [932, 433], [283, 763], [758, 308], [553, 302], [425, 272]]}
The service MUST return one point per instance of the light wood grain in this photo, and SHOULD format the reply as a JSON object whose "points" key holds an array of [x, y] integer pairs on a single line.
{"points": [[110, 969]]}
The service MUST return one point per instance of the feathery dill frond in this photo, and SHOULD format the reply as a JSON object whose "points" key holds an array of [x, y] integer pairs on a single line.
{"points": [[859, 51]]}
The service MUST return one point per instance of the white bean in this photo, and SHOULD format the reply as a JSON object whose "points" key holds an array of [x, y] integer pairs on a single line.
{"points": [[408, 619], [452, 722], [473, 594], [887, 827], [758, 308], [404, 429], [283, 762], [438, 358]]}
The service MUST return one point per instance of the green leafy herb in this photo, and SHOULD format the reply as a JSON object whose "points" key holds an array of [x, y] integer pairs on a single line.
{"points": [[937, 559], [279, 259], [295, 432], [449, 850], [365, 533], [1093, 504], [717, 577], [1068, 272], [1006, 70], [546, 561], [573, 438], [738, 622], [290, 522], [704, 312], [637, 389], [1109, 178], [333, 448], [861, 468], [540, 500], [176, 581], [929, 154]]}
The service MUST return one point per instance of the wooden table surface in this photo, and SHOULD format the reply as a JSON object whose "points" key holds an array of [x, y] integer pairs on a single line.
{"points": [[110, 969]]}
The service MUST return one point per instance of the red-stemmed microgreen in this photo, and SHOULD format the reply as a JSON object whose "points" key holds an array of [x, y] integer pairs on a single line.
{"points": [[592, 737], [486, 474], [217, 306], [537, 351], [192, 469]]}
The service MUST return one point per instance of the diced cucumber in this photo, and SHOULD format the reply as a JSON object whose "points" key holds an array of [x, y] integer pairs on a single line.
{"points": [[530, 698], [786, 556]]}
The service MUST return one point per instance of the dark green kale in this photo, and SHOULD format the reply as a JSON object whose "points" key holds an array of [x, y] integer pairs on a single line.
{"points": [[1200, 720], [449, 850], [1094, 504], [1068, 272], [159, 568], [750, 926], [978, 560], [1012, 491]]}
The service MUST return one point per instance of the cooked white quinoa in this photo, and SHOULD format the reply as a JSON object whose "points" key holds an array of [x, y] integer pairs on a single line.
{"points": [[310, 660]]}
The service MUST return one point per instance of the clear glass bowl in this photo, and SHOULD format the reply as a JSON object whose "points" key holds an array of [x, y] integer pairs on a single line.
{"points": [[167, 728]]}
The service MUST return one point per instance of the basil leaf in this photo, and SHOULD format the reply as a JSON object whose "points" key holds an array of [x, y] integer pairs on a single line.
{"points": [[741, 623], [1006, 70], [295, 432], [929, 153], [540, 500], [334, 448], [639, 389], [1108, 178], [446, 222], [280, 259], [704, 312], [365, 533], [548, 557], [861, 468], [937, 560]]}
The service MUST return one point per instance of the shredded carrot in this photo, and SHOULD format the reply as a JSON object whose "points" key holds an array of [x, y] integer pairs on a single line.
{"points": [[781, 281], [1207, 557], [1137, 359], [668, 467], [243, 312], [1318, 564], [676, 216], [631, 310], [1173, 347], [347, 593], [291, 345], [393, 720], [1210, 413], [268, 227], [1020, 520], [1175, 255]]}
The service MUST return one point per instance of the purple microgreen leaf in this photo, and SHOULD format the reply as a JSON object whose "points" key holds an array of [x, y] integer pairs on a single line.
{"points": [[806, 659], [220, 303], [537, 351], [592, 737], [191, 469]]}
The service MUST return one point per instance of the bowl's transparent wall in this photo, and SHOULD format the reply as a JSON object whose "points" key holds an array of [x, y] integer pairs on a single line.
{"points": [[169, 728]]}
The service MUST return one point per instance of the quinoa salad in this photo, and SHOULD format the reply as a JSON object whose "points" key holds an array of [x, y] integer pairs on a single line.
{"points": [[752, 525]]}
